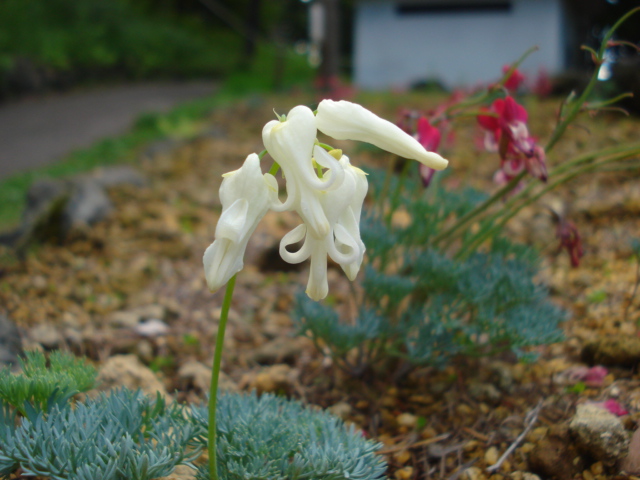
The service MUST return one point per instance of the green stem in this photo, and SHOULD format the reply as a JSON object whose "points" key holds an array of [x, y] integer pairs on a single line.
{"points": [[215, 375], [578, 104], [468, 217], [561, 169], [274, 168], [478, 239]]}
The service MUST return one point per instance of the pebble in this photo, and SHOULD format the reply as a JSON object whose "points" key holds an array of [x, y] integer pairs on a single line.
{"points": [[46, 335], [341, 409], [127, 371], [631, 463], [279, 350], [404, 473], [181, 472], [613, 350], [152, 328], [198, 375], [599, 433], [407, 420], [473, 473], [279, 378], [491, 456]]}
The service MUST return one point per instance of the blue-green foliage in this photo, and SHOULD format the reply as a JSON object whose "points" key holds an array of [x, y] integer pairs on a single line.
{"points": [[128, 436], [272, 438], [424, 305], [43, 384], [125, 435]]}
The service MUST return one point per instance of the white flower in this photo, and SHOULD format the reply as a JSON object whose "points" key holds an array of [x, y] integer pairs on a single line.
{"points": [[291, 143], [349, 121], [342, 207], [246, 195]]}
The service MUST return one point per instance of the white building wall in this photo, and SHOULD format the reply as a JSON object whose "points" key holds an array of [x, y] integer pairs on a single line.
{"points": [[458, 48]]}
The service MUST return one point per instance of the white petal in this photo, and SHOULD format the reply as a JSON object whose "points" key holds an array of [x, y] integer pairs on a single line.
{"points": [[294, 236], [349, 121], [233, 220], [318, 285]]}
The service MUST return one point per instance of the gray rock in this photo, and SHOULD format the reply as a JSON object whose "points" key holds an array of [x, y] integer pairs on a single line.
{"points": [[46, 335], [88, 204], [54, 206], [10, 342], [599, 433]]}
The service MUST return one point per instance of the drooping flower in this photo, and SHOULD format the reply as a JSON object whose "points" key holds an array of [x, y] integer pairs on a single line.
{"points": [[507, 122], [329, 202], [342, 207], [349, 121], [291, 143], [507, 133], [570, 240], [246, 195]]}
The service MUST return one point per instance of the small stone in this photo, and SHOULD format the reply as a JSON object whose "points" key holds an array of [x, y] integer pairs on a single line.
{"points": [[341, 409], [473, 473], [407, 420], [144, 351], [181, 472], [198, 375], [599, 433], [405, 473], [402, 457], [631, 463], [151, 311], [279, 378], [152, 328], [553, 458], [484, 392], [279, 350], [491, 456], [614, 350], [46, 335], [127, 371], [123, 319]]}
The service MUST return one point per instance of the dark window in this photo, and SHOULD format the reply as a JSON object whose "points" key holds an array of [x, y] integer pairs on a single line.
{"points": [[451, 7]]}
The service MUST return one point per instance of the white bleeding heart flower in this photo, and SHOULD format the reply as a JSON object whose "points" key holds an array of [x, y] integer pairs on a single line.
{"points": [[342, 207], [290, 143], [246, 195], [344, 120]]}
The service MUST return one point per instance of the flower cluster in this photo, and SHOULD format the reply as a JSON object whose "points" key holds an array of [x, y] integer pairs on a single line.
{"points": [[328, 202], [505, 123]]}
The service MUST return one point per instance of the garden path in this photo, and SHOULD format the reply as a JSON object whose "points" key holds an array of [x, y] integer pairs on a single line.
{"points": [[38, 130]]}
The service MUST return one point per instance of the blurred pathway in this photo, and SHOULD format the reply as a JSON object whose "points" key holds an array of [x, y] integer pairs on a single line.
{"points": [[37, 131]]}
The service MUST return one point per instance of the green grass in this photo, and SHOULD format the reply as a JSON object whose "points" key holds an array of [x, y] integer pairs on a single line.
{"points": [[182, 122]]}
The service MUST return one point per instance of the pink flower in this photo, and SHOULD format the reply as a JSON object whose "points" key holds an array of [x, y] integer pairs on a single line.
{"points": [[507, 122], [569, 237], [429, 137], [595, 375], [507, 133], [613, 406], [514, 80]]}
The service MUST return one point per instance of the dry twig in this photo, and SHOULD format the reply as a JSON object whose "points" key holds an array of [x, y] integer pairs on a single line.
{"points": [[531, 419]]}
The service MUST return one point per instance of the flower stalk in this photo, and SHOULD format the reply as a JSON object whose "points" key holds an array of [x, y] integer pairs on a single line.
{"points": [[215, 376]]}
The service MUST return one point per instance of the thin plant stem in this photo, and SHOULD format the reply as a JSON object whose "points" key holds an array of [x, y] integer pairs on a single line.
{"points": [[477, 240], [561, 169], [215, 375]]}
